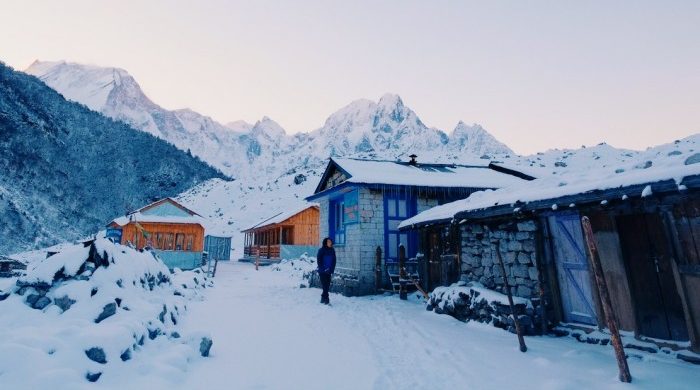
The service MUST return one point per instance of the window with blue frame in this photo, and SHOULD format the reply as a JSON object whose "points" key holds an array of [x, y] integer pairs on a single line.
{"points": [[396, 209], [337, 221]]}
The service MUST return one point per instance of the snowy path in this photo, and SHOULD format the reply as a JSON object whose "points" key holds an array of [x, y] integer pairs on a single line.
{"points": [[270, 334]]}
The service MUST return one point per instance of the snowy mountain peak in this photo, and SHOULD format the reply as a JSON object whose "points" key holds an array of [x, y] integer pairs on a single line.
{"points": [[239, 126], [269, 128], [473, 138], [390, 100], [385, 128], [87, 84]]}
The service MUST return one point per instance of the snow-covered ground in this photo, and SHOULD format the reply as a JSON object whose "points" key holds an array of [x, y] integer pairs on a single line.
{"points": [[271, 334]]}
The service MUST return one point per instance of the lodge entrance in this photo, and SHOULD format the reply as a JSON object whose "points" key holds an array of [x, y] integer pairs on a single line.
{"points": [[443, 266], [658, 307]]}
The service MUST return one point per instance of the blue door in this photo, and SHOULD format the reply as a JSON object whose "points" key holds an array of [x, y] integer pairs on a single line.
{"points": [[575, 284], [396, 209]]}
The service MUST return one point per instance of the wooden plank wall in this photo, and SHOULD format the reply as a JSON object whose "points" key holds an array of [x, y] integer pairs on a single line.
{"points": [[612, 261], [684, 223], [306, 227], [130, 233]]}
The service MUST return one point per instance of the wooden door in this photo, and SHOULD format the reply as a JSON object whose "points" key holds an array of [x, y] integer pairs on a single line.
{"points": [[434, 273], [658, 307], [573, 272]]}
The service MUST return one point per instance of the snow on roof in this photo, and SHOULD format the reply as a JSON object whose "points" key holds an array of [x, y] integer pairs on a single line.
{"points": [[139, 217], [424, 175], [281, 217], [147, 214], [666, 162], [167, 200]]}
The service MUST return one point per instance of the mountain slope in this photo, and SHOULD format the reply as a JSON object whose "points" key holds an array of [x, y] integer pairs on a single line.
{"points": [[66, 170], [114, 93]]}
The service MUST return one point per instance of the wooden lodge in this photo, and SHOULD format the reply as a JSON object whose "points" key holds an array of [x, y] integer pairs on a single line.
{"points": [[10, 267], [647, 236], [171, 230], [285, 235]]}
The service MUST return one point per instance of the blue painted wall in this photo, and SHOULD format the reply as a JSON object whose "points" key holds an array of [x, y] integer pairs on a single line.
{"points": [[218, 248], [180, 259], [295, 251]]}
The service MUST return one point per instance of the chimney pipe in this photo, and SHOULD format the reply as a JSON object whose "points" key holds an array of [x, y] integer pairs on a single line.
{"points": [[413, 160]]}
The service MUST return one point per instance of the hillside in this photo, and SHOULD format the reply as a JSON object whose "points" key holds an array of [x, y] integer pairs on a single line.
{"points": [[66, 170]]}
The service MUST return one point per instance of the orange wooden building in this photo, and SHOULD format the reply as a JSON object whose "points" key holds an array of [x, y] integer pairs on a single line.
{"points": [[173, 231], [285, 235]]}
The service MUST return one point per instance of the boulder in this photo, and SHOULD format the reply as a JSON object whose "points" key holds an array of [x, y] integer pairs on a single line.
{"points": [[109, 310], [205, 346], [64, 302], [96, 354], [126, 355], [93, 376], [32, 298], [41, 303]]}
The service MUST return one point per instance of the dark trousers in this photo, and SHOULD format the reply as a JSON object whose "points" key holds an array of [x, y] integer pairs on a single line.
{"points": [[325, 284]]}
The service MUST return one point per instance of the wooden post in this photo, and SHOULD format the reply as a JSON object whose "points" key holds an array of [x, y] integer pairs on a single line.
{"points": [[518, 330], [257, 257], [378, 269], [403, 294], [594, 258]]}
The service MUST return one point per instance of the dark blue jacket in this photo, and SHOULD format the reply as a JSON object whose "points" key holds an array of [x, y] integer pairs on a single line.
{"points": [[325, 259]]}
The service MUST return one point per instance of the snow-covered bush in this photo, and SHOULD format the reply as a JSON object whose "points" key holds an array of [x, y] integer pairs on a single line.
{"points": [[301, 268], [90, 306]]}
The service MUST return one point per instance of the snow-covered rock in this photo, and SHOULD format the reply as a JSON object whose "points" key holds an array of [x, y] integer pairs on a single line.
{"points": [[89, 309]]}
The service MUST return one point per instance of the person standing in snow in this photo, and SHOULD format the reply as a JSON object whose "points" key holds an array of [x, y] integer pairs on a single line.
{"points": [[325, 259]]}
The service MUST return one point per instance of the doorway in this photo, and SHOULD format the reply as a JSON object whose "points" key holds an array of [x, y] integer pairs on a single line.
{"points": [[647, 255]]}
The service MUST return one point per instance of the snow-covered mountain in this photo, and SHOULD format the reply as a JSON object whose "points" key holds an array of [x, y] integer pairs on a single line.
{"points": [[65, 170], [385, 129]]}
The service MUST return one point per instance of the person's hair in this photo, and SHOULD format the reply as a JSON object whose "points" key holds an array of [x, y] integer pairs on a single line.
{"points": [[325, 242]]}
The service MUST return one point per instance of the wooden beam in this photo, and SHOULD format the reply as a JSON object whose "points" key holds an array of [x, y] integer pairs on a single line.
{"points": [[615, 340]]}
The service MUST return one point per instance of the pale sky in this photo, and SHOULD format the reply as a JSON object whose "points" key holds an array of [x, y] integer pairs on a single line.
{"points": [[537, 75]]}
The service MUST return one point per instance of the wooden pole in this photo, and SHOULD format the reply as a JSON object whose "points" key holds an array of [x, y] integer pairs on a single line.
{"points": [[402, 273], [518, 330], [594, 258], [378, 269], [257, 257]]}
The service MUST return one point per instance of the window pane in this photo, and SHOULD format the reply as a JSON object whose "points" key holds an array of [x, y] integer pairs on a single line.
{"points": [[391, 207], [393, 224], [179, 241], [393, 245], [404, 240], [403, 211]]}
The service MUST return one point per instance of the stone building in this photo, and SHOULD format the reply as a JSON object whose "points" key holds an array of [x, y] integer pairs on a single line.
{"points": [[645, 225], [362, 203]]}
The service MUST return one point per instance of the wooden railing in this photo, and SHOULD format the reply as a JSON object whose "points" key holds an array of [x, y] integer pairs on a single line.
{"points": [[265, 251]]}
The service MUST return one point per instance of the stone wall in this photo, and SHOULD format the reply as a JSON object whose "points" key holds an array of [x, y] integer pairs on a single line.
{"points": [[518, 251]]}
